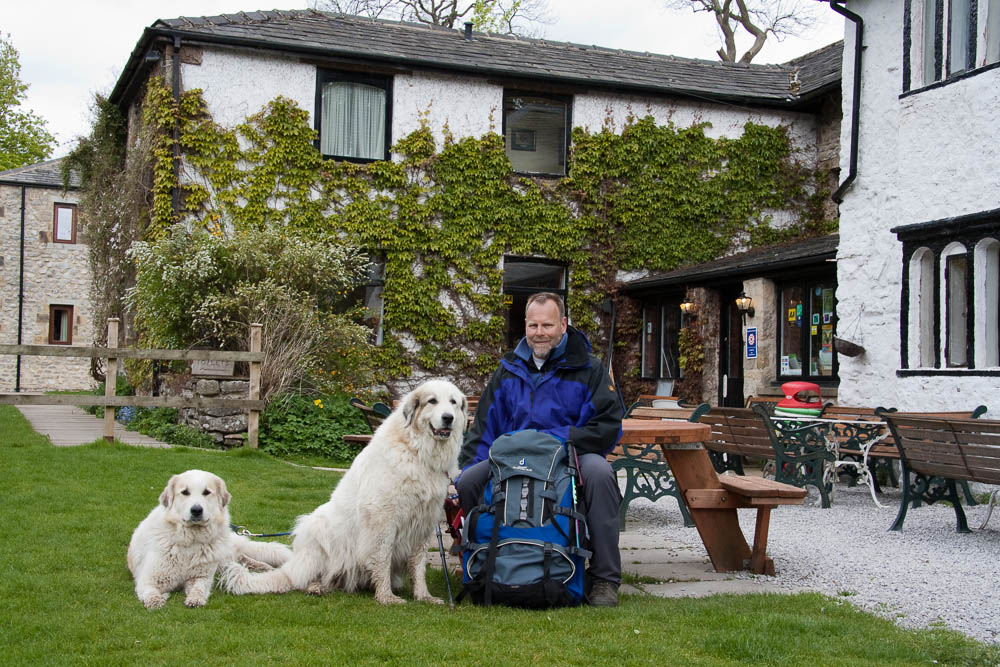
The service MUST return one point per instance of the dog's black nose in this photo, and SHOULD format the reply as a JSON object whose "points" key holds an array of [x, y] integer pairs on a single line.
{"points": [[447, 419], [196, 511]]}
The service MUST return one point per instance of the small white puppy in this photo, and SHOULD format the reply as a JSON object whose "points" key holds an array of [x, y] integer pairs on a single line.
{"points": [[187, 537]]}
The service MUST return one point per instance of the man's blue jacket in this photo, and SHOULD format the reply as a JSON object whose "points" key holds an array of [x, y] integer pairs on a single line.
{"points": [[571, 397]]}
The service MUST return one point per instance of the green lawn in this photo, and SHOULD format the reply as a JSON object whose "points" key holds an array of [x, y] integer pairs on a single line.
{"points": [[66, 595]]}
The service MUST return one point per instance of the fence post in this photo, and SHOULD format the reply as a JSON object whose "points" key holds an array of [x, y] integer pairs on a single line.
{"points": [[111, 380], [253, 419]]}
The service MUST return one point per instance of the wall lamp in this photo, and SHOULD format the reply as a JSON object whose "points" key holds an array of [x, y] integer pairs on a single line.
{"points": [[689, 307], [745, 306]]}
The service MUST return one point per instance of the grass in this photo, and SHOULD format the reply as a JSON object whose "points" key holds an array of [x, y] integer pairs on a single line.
{"points": [[66, 596]]}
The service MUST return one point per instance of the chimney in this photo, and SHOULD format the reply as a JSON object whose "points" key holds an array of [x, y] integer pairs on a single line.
{"points": [[468, 31]]}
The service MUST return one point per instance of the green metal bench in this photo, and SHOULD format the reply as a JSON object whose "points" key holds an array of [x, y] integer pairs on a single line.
{"points": [[647, 474]]}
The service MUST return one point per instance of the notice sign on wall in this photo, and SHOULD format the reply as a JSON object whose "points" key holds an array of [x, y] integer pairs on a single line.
{"points": [[751, 342]]}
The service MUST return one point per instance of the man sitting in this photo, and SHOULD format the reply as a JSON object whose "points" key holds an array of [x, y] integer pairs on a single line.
{"points": [[552, 383]]}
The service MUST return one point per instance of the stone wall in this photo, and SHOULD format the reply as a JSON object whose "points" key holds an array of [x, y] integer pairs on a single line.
{"points": [[227, 426]]}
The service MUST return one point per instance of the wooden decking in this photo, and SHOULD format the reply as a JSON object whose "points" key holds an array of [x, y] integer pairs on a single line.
{"points": [[69, 426]]}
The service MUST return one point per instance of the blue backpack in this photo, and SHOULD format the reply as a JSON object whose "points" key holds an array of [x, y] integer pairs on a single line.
{"points": [[523, 546]]}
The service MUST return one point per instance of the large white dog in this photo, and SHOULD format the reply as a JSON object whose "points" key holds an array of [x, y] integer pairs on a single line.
{"points": [[187, 537], [375, 527]]}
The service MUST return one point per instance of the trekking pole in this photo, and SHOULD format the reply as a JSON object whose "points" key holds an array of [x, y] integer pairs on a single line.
{"points": [[573, 478], [444, 568]]}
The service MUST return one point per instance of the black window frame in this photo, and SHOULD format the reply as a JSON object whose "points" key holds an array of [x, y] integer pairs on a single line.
{"points": [[942, 54], [516, 296], [385, 82], [662, 306], [566, 100], [937, 236]]}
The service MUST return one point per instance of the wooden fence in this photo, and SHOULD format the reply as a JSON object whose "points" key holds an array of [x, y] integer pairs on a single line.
{"points": [[112, 353]]}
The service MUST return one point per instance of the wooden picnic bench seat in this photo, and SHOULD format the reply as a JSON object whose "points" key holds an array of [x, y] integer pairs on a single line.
{"points": [[939, 452], [736, 433], [713, 499], [374, 415], [647, 474]]}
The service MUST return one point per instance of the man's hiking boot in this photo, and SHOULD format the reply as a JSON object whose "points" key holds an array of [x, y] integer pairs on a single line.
{"points": [[603, 594]]}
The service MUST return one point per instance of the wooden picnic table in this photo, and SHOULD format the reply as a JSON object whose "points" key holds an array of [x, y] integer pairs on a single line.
{"points": [[713, 499]]}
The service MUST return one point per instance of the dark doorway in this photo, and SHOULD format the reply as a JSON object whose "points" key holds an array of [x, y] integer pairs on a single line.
{"points": [[522, 277], [730, 350]]}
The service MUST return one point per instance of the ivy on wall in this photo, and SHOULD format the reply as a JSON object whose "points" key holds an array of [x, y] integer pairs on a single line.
{"points": [[442, 217]]}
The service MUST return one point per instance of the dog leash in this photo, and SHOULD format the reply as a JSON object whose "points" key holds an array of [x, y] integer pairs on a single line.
{"points": [[245, 532]]}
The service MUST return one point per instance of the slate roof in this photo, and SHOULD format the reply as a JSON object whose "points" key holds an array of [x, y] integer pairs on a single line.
{"points": [[756, 262], [311, 32], [40, 174]]}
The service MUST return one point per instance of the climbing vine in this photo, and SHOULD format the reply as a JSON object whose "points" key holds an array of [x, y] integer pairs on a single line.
{"points": [[442, 217]]}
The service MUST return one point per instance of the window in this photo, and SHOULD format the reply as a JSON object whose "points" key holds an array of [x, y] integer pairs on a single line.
{"points": [[64, 223], [522, 277], [807, 322], [536, 133], [661, 325], [947, 38], [366, 302], [60, 325], [950, 314], [353, 116]]}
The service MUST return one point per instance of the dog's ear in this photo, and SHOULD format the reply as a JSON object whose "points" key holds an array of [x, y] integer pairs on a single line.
{"points": [[167, 496], [220, 488], [410, 405]]}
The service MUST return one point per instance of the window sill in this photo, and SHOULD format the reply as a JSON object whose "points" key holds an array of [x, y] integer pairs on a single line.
{"points": [[951, 79], [948, 372]]}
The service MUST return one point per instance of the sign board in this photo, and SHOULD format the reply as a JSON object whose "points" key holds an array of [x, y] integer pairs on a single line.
{"points": [[212, 368], [751, 342]]}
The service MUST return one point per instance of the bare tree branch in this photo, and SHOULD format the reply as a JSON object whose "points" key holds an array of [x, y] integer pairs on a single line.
{"points": [[758, 19], [513, 17]]}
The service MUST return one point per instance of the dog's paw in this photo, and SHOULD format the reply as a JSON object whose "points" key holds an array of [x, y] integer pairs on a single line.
{"points": [[429, 598], [317, 588], [389, 599], [154, 601], [253, 564], [195, 601]]}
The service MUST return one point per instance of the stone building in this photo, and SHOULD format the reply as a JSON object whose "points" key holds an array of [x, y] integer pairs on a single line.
{"points": [[397, 76], [44, 278]]}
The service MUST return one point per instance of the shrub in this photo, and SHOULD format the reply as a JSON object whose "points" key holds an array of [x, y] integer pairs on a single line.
{"points": [[161, 423], [202, 288], [311, 426]]}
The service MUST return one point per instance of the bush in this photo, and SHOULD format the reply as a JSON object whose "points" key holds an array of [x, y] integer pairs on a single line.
{"points": [[161, 423], [122, 388], [311, 426]]}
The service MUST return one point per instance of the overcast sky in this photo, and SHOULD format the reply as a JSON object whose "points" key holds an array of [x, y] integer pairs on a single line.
{"points": [[70, 49]]}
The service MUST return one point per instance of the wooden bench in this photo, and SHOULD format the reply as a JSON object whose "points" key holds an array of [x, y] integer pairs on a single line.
{"points": [[940, 451], [736, 433], [713, 499], [647, 474], [374, 415]]}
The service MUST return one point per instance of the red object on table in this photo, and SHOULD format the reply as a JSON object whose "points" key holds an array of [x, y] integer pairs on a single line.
{"points": [[793, 400]]}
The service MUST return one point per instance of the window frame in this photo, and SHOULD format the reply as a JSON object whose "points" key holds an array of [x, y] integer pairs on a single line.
{"points": [[516, 296], [567, 102], [56, 308], [385, 82], [664, 307], [973, 236], [55, 222], [916, 51], [805, 283]]}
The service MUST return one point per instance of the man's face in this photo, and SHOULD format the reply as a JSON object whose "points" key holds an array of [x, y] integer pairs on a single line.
{"points": [[543, 328]]}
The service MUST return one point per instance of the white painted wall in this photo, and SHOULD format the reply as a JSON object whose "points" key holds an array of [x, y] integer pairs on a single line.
{"points": [[927, 156]]}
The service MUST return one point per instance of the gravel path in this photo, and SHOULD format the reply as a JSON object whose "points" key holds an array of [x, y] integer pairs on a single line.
{"points": [[925, 575]]}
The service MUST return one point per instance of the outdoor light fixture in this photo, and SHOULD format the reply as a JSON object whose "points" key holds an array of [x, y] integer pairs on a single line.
{"points": [[689, 307], [745, 305]]}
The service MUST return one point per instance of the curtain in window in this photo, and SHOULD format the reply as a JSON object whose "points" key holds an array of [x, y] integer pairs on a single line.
{"points": [[353, 120]]}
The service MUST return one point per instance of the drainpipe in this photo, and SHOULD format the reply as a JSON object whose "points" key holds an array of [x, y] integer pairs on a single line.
{"points": [[175, 196], [20, 292], [859, 26]]}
